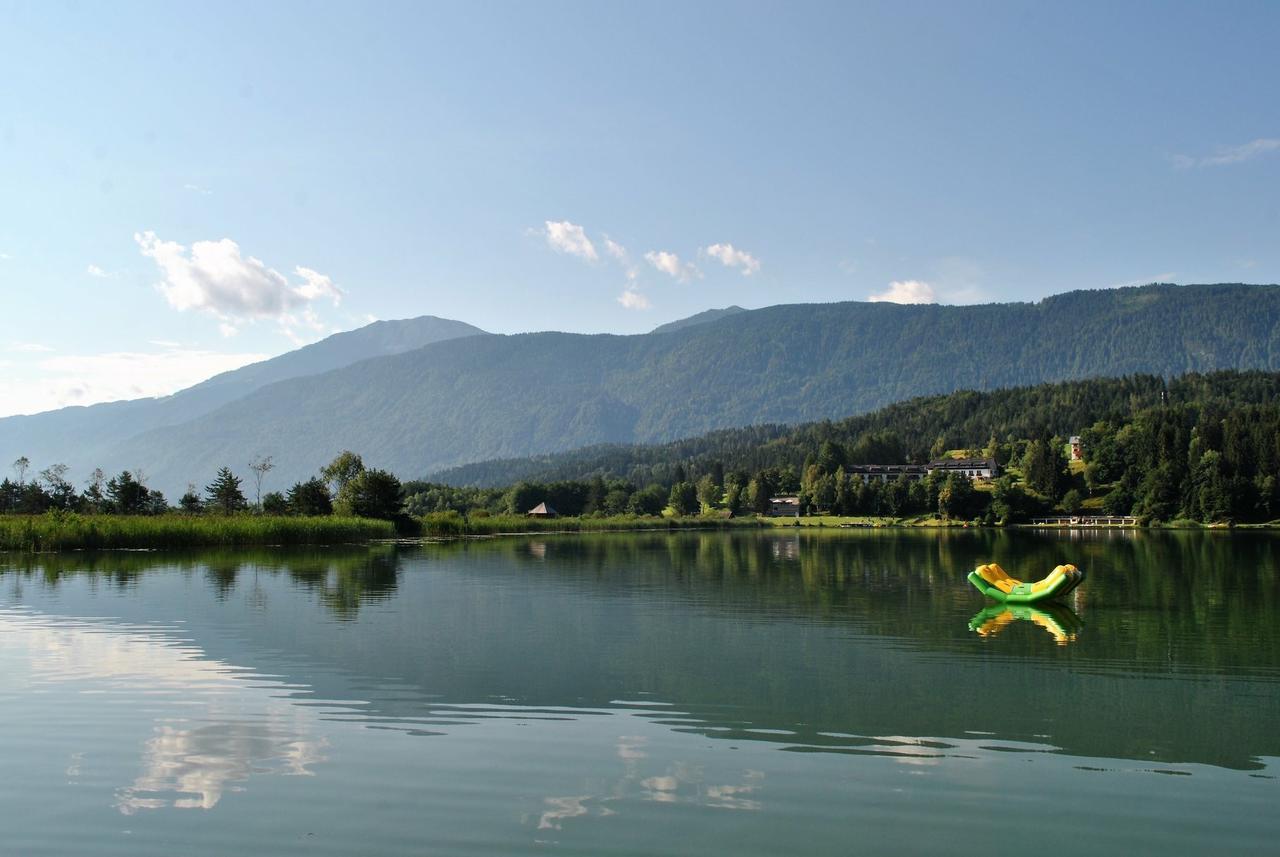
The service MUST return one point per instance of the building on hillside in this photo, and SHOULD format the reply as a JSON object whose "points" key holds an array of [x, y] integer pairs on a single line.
{"points": [[1077, 448], [887, 472], [542, 510], [784, 507], [974, 468]]}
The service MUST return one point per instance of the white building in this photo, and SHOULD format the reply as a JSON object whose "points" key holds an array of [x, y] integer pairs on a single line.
{"points": [[974, 468]]}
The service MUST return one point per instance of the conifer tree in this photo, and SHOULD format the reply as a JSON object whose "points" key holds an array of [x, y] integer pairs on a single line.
{"points": [[224, 493]]}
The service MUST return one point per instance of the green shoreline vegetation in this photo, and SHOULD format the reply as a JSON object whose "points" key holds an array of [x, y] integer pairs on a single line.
{"points": [[1198, 451], [71, 531]]}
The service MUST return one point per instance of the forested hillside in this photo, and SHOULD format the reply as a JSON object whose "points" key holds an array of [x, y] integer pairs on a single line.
{"points": [[698, 318], [480, 397], [920, 429], [1202, 447]]}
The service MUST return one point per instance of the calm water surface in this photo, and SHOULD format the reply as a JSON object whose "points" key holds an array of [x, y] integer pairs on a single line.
{"points": [[825, 693]]}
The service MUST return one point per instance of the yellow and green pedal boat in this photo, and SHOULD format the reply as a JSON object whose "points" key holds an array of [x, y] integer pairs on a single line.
{"points": [[994, 582]]}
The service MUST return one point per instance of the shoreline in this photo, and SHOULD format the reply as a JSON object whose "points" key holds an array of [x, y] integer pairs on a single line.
{"points": [[53, 533]]}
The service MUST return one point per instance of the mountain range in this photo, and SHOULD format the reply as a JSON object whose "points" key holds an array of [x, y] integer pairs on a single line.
{"points": [[426, 394], [86, 436]]}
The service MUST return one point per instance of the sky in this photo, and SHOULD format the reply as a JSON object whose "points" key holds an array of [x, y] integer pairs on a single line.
{"points": [[185, 188]]}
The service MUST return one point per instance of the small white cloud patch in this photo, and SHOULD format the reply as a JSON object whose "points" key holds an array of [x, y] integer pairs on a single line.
{"points": [[95, 271], [670, 264], [616, 250], [906, 292], [1227, 155], [317, 285], [565, 237], [631, 299], [732, 257]]}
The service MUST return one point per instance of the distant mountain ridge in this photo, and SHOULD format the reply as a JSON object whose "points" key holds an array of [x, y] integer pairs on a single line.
{"points": [[698, 318], [85, 434], [477, 397]]}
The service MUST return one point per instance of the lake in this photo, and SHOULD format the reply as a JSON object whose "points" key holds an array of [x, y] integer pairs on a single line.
{"points": [[689, 693]]}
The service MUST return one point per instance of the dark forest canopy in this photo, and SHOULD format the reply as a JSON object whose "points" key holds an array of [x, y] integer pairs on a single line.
{"points": [[1200, 447], [966, 419]]}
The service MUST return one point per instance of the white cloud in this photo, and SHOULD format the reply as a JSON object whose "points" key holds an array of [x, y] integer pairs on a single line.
{"points": [[317, 285], [906, 292], [95, 271], [631, 299], [215, 278], [732, 257], [614, 249], [565, 237], [195, 188], [670, 264], [84, 379], [4, 257], [28, 348], [1227, 155]]}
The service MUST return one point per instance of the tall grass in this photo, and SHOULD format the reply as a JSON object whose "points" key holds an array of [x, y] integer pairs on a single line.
{"points": [[454, 524], [63, 531]]}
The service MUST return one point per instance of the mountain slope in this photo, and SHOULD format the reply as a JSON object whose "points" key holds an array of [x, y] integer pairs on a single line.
{"points": [[507, 396], [965, 419], [84, 435], [698, 318]]}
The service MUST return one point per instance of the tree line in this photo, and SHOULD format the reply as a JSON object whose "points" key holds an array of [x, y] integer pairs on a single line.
{"points": [[1199, 447], [1204, 447], [343, 487]]}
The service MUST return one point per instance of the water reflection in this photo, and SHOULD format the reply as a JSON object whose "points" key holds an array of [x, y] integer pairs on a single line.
{"points": [[188, 767], [240, 730], [343, 577], [1058, 620], [789, 639], [646, 777]]}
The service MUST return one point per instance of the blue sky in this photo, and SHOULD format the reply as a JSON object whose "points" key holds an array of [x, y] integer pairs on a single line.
{"points": [[186, 187]]}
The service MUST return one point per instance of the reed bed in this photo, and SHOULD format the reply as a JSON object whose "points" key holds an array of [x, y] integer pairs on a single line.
{"points": [[62, 531]]}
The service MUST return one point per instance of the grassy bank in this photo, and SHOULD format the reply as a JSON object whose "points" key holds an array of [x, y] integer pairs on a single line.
{"points": [[60, 531], [453, 524]]}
